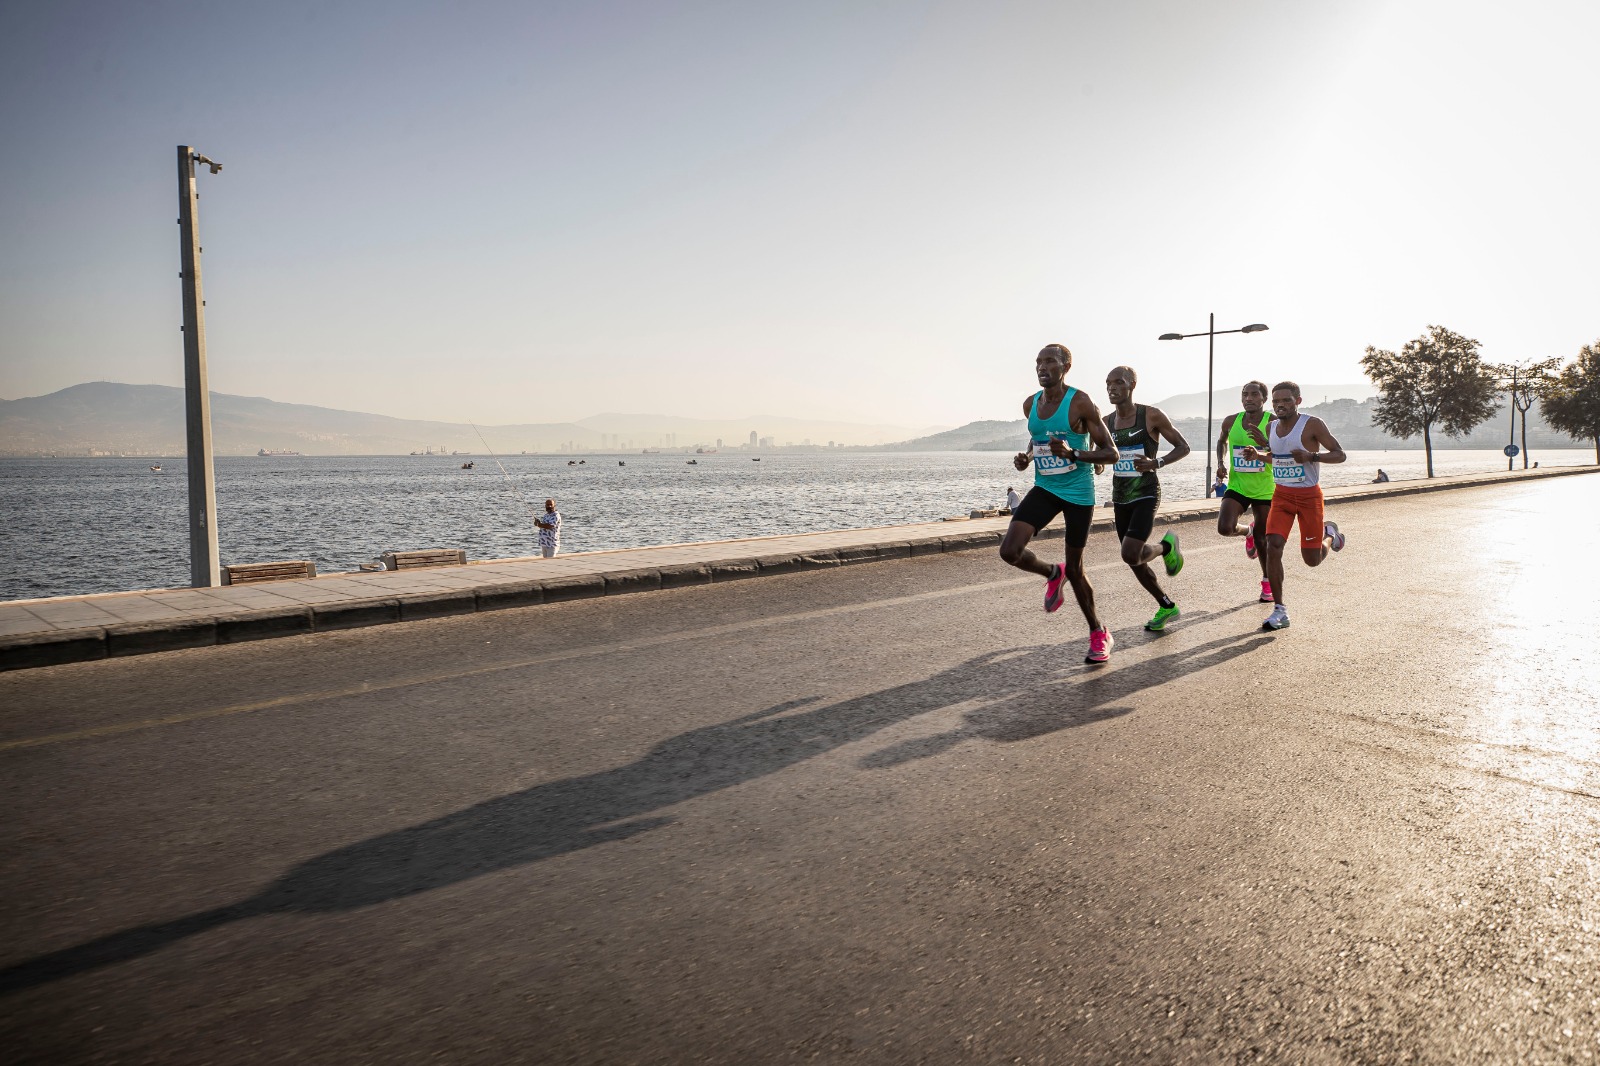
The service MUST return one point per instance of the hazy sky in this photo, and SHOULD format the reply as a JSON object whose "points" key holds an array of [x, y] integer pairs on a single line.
{"points": [[871, 211]]}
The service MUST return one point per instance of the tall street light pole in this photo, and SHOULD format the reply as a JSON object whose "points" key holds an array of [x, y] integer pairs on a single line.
{"points": [[203, 567], [1211, 333]]}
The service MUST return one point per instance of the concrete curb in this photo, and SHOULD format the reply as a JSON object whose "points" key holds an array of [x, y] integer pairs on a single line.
{"points": [[70, 645]]}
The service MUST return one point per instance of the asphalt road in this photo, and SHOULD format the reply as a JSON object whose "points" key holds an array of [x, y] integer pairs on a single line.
{"points": [[883, 814]]}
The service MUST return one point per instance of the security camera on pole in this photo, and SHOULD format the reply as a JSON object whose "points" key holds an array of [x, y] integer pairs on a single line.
{"points": [[203, 568]]}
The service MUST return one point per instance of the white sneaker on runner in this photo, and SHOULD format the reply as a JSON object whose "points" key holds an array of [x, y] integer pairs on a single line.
{"points": [[1278, 619]]}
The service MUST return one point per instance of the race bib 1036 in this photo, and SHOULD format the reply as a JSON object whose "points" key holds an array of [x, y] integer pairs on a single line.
{"points": [[1046, 463]]}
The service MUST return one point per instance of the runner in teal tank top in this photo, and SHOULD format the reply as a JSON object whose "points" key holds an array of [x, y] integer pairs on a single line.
{"points": [[1249, 480], [1062, 424], [1138, 431]]}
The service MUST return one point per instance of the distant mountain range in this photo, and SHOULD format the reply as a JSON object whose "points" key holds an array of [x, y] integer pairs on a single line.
{"points": [[1226, 400], [1350, 421], [110, 418]]}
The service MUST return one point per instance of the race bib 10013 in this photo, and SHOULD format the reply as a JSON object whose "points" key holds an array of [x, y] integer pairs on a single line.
{"points": [[1125, 457], [1244, 464], [1046, 463], [1287, 470]]}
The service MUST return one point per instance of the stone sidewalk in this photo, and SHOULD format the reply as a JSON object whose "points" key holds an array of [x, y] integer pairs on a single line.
{"points": [[77, 628]]}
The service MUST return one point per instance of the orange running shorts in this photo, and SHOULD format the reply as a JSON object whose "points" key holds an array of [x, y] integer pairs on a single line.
{"points": [[1289, 504]]}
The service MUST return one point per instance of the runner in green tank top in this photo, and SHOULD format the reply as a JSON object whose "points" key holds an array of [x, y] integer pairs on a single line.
{"points": [[1137, 431], [1062, 422], [1249, 480]]}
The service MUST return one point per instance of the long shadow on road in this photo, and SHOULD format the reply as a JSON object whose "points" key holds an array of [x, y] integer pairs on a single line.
{"points": [[1023, 694]]}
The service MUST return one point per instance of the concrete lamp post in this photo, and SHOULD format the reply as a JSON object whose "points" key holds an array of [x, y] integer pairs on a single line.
{"points": [[204, 571], [1210, 333]]}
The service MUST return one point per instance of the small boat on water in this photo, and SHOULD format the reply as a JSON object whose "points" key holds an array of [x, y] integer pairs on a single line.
{"points": [[757, 459], [693, 462], [621, 463], [156, 468], [466, 466], [572, 462]]}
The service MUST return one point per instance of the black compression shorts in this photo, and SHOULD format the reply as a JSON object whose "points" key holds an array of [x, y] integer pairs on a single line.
{"points": [[1136, 519], [1039, 506], [1244, 500]]}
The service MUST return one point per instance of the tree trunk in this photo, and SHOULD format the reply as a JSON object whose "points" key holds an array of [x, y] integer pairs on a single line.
{"points": [[1427, 447], [1524, 438], [1597, 451]]}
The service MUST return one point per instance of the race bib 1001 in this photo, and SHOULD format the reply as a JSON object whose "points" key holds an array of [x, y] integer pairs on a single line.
{"points": [[1046, 463], [1125, 457], [1286, 470], [1244, 464]]}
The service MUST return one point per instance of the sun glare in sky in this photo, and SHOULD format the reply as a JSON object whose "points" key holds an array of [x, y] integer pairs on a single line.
{"points": [[516, 213]]}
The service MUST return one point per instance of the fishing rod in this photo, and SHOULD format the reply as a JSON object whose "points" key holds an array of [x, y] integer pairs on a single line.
{"points": [[512, 481]]}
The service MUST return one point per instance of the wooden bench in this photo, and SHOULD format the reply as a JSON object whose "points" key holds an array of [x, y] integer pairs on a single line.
{"points": [[426, 557], [250, 573]]}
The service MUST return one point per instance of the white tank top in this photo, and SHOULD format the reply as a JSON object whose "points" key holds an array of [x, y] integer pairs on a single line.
{"points": [[1286, 469]]}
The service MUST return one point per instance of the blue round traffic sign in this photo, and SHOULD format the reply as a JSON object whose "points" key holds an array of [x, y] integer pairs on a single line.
{"points": [[1510, 451]]}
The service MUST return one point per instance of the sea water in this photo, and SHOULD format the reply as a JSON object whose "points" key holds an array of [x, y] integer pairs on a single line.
{"points": [[81, 525]]}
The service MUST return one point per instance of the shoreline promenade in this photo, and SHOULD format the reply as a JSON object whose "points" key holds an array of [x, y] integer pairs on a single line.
{"points": [[83, 628], [874, 814]]}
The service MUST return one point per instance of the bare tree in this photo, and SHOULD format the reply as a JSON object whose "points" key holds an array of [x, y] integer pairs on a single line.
{"points": [[1439, 379], [1572, 404], [1523, 383]]}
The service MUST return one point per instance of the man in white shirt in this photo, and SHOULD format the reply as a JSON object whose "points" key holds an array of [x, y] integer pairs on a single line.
{"points": [[549, 530], [1013, 499]]}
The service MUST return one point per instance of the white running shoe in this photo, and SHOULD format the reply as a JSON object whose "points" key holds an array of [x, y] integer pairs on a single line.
{"points": [[1278, 619], [1331, 529]]}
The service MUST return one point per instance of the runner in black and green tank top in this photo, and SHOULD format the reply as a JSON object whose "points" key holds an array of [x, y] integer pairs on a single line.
{"points": [[1249, 480], [1137, 431]]}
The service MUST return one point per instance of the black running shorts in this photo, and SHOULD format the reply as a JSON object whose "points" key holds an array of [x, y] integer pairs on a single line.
{"points": [[1039, 506], [1244, 500], [1136, 519]]}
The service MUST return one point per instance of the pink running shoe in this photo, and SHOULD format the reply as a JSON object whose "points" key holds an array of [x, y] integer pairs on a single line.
{"points": [[1266, 592], [1250, 543], [1100, 642], [1053, 591]]}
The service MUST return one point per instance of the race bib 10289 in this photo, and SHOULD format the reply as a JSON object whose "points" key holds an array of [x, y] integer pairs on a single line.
{"points": [[1287, 470]]}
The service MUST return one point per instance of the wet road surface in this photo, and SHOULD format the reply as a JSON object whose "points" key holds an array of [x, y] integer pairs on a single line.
{"points": [[882, 814]]}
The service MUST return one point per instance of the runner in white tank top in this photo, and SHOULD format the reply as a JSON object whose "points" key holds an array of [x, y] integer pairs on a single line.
{"points": [[1298, 445]]}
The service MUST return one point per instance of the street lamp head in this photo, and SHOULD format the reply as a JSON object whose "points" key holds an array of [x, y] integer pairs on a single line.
{"points": [[1177, 336], [1254, 327]]}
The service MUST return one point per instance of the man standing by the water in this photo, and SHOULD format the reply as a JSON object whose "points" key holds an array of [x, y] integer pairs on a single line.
{"points": [[549, 530], [1299, 445], [1061, 423], [1249, 480], [1137, 431]]}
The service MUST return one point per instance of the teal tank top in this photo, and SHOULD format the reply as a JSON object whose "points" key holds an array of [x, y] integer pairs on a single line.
{"points": [[1072, 482]]}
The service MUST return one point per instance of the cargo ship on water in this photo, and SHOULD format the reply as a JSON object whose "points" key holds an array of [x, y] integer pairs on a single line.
{"points": [[276, 452]]}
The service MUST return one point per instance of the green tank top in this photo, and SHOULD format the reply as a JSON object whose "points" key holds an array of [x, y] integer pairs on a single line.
{"points": [[1128, 484], [1250, 478], [1073, 482]]}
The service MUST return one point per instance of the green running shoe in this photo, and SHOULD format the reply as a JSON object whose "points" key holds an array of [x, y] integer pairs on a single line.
{"points": [[1163, 616], [1173, 557]]}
